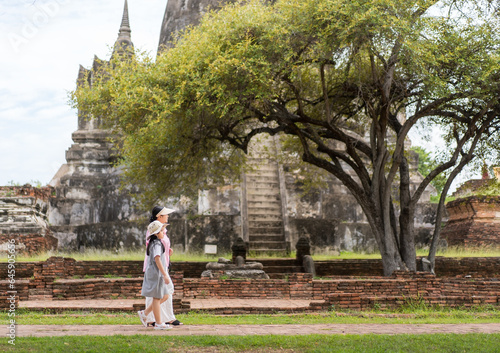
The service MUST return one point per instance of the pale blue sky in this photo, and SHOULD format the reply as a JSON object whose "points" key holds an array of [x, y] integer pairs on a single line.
{"points": [[43, 43]]}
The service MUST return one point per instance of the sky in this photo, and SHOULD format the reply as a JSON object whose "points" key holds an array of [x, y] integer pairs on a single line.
{"points": [[43, 43]]}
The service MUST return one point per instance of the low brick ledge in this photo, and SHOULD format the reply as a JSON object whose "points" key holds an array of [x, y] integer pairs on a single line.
{"points": [[74, 281], [359, 302], [93, 288], [255, 311]]}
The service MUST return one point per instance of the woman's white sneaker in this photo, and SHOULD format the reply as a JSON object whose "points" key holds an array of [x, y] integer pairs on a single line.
{"points": [[142, 316], [163, 326]]}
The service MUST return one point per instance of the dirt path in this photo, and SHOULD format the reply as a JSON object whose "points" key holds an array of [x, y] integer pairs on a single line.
{"points": [[224, 330]]}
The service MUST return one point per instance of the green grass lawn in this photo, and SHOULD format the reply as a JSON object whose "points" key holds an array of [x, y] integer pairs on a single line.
{"points": [[138, 255], [271, 343], [442, 343]]}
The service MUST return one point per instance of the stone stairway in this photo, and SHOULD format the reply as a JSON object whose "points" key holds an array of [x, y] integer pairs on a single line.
{"points": [[263, 200]]}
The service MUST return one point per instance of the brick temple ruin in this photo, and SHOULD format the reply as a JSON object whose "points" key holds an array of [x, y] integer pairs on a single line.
{"points": [[473, 220], [343, 284], [83, 206]]}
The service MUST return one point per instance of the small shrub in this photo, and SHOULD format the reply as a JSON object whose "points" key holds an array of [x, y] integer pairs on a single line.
{"points": [[484, 308], [412, 304]]}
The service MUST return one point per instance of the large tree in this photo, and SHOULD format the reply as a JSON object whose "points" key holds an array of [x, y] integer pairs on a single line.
{"points": [[341, 82]]}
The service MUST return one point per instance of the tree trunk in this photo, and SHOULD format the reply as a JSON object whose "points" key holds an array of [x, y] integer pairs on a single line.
{"points": [[391, 259], [406, 222]]}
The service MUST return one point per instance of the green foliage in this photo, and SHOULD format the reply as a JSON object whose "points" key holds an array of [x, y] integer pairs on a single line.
{"points": [[35, 183], [435, 198], [426, 164], [413, 304], [224, 78], [340, 82], [490, 189]]}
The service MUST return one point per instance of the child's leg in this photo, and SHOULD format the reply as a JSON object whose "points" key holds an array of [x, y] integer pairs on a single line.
{"points": [[156, 310]]}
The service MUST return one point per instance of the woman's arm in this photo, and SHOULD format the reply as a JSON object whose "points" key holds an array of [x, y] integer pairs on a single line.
{"points": [[162, 270]]}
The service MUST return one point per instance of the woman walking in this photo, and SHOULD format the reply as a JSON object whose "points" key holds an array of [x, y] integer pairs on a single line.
{"points": [[161, 214], [156, 278]]}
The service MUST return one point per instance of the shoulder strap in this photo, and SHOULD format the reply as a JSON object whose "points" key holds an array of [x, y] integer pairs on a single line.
{"points": [[153, 239]]}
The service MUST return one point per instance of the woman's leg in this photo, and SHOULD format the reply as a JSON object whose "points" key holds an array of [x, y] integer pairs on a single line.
{"points": [[168, 305], [169, 310], [164, 299]]}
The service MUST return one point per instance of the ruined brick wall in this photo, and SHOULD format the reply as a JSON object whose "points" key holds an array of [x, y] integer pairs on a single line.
{"points": [[468, 266], [106, 288], [412, 289], [190, 269], [396, 285], [62, 279], [30, 243], [112, 268], [26, 191], [473, 222], [66, 278], [24, 270], [366, 267], [225, 288], [97, 288], [23, 219], [445, 267], [45, 273], [297, 286]]}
